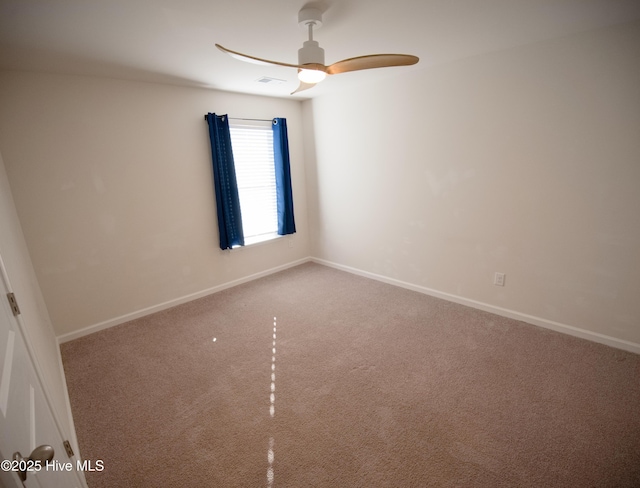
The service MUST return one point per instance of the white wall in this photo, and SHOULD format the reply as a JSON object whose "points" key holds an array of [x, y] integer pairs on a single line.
{"points": [[524, 161], [113, 188]]}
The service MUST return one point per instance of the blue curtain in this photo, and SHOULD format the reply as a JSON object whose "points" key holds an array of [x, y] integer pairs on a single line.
{"points": [[224, 180], [286, 222]]}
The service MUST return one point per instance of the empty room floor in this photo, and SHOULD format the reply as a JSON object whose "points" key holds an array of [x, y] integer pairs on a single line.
{"points": [[313, 377]]}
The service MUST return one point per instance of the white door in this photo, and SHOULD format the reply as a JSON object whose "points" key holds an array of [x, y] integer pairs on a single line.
{"points": [[26, 421]]}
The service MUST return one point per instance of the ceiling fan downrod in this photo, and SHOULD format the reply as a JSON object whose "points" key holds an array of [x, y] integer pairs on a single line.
{"points": [[310, 52]]}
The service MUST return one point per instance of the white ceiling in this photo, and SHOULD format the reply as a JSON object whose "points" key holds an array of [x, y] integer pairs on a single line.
{"points": [[172, 41]]}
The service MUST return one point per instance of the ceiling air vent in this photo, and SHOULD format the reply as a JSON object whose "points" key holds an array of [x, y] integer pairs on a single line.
{"points": [[270, 81]]}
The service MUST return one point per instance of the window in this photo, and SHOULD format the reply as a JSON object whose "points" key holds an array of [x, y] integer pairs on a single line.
{"points": [[256, 178], [251, 179]]}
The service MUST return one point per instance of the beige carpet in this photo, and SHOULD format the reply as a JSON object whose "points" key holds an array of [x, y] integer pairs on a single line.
{"points": [[373, 386]]}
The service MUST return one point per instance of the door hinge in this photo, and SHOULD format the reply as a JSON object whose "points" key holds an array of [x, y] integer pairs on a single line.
{"points": [[67, 447], [14, 304]]}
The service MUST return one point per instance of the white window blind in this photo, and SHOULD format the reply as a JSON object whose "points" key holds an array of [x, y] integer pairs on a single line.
{"points": [[255, 174]]}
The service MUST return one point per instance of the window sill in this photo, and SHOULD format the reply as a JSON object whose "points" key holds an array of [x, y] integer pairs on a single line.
{"points": [[258, 240]]}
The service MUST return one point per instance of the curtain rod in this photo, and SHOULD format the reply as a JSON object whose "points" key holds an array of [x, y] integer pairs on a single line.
{"points": [[238, 118]]}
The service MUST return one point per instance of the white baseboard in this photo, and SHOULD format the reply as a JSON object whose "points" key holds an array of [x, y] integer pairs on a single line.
{"points": [[172, 303], [530, 319]]}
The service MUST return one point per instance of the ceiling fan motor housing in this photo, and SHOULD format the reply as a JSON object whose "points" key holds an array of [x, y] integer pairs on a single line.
{"points": [[310, 52]]}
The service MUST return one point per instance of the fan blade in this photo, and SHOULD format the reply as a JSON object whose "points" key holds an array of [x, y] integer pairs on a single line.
{"points": [[371, 61], [253, 59], [303, 86]]}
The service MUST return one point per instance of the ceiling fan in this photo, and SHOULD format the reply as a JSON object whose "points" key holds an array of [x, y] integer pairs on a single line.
{"points": [[311, 67]]}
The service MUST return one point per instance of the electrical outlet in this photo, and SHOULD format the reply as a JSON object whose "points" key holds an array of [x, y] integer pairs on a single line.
{"points": [[498, 279]]}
